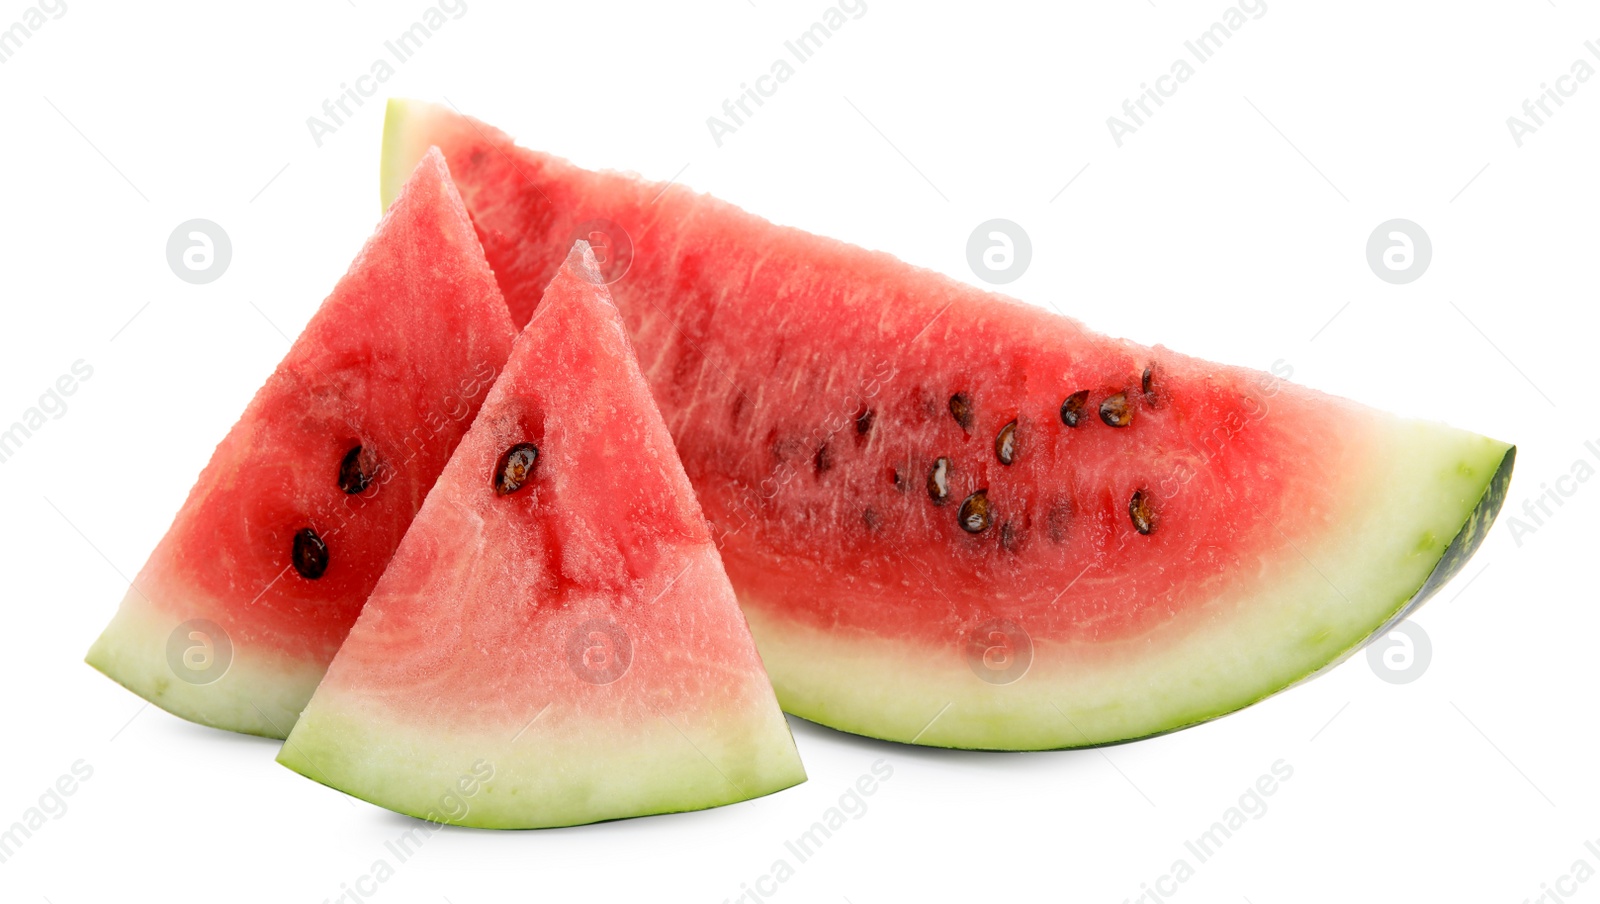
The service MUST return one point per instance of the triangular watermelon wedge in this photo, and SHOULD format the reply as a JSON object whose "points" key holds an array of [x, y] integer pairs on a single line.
{"points": [[245, 600], [555, 641]]}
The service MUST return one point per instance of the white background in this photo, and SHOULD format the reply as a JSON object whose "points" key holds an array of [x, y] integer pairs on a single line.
{"points": [[1232, 225]]}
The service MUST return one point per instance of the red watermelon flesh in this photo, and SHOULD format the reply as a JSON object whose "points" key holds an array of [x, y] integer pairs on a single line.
{"points": [[958, 520], [239, 609], [565, 639]]}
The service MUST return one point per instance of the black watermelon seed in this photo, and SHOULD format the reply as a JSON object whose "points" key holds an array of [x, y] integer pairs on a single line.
{"points": [[1146, 386], [1072, 408], [864, 421], [356, 470], [897, 478], [515, 467], [1141, 513], [823, 460], [939, 481], [1005, 445], [975, 516], [1010, 537], [1116, 411], [1059, 520], [309, 554], [961, 410]]}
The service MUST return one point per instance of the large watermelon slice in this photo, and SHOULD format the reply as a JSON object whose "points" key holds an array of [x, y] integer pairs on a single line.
{"points": [[556, 628], [245, 600], [957, 520]]}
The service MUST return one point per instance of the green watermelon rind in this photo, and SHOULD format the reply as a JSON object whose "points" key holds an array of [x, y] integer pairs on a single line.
{"points": [[539, 782], [1052, 722], [399, 147], [258, 693]]}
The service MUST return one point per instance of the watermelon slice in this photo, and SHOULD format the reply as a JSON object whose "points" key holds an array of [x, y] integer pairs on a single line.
{"points": [[245, 600], [956, 520], [556, 628]]}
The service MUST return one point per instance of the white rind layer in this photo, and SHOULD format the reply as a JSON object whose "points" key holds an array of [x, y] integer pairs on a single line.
{"points": [[259, 693], [1311, 606], [555, 768]]}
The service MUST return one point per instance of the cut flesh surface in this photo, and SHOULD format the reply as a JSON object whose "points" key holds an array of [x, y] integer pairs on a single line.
{"points": [[956, 520], [238, 610], [568, 650]]}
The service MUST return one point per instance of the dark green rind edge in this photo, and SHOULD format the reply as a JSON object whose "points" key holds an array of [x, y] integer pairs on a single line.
{"points": [[1455, 557], [1461, 548], [294, 766]]}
